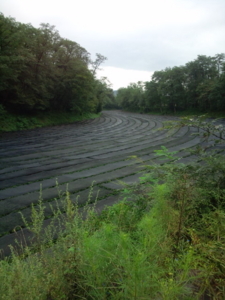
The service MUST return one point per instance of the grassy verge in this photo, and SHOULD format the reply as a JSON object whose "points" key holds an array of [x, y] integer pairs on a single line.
{"points": [[12, 122], [211, 114], [215, 114]]}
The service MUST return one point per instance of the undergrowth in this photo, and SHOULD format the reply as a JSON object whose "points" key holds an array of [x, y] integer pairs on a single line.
{"points": [[164, 240], [13, 122], [182, 113]]}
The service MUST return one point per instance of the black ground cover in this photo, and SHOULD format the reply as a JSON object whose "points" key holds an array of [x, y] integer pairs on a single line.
{"points": [[80, 154]]}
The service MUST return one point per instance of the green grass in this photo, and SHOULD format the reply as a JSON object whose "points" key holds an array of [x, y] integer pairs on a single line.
{"points": [[211, 114], [190, 112], [153, 247], [13, 122]]}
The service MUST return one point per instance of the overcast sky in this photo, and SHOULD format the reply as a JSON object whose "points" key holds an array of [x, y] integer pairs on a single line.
{"points": [[137, 37]]}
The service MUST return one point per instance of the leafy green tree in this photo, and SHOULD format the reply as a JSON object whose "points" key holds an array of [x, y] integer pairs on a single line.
{"points": [[200, 70], [98, 61], [132, 97], [160, 78], [151, 96], [13, 57], [104, 93], [42, 71], [198, 85]]}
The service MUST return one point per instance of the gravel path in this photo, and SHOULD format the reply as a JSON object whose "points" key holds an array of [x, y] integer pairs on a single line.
{"points": [[78, 155]]}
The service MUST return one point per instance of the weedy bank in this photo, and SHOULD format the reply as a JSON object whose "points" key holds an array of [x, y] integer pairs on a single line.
{"points": [[15, 122]]}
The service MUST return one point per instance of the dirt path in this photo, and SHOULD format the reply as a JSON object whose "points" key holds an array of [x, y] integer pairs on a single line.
{"points": [[78, 154]]}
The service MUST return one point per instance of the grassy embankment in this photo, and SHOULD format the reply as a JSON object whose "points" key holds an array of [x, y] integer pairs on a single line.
{"points": [[191, 112], [14, 122], [168, 243]]}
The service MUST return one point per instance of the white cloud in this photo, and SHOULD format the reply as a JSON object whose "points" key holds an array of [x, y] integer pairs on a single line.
{"points": [[122, 77], [135, 36]]}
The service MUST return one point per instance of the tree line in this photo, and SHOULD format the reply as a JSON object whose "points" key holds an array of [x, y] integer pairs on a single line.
{"points": [[199, 86], [41, 71]]}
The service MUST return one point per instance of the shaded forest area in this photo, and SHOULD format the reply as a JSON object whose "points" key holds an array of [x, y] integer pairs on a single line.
{"points": [[197, 86], [42, 72]]}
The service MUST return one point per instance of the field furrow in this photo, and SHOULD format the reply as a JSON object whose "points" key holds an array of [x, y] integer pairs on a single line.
{"points": [[77, 156]]}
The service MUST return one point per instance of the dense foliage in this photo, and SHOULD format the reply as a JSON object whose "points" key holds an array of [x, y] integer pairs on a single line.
{"points": [[41, 71], [199, 86]]}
